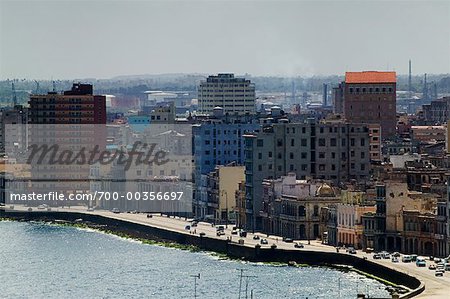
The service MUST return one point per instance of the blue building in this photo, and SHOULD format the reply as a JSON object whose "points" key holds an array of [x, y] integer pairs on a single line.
{"points": [[217, 141]]}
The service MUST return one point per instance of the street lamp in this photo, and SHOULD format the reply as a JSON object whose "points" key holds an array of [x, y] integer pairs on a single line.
{"points": [[226, 206]]}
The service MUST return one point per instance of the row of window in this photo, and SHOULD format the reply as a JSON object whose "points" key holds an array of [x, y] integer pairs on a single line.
{"points": [[370, 89]]}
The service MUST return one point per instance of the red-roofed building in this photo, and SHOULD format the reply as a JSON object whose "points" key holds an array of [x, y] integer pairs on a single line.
{"points": [[368, 97]]}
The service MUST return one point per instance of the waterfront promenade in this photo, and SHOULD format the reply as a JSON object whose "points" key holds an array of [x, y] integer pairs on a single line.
{"points": [[435, 287]]}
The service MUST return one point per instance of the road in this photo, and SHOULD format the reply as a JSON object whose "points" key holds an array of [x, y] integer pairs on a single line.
{"points": [[435, 287]]}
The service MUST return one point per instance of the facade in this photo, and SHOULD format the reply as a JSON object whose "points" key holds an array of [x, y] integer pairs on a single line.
{"points": [[349, 213], [292, 208], [404, 221], [223, 183], [375, 142], [75, 121], [369, 97], [428, 133], [234, 95], [13, 129], [437, 112], [216, 142], [331, 151]]}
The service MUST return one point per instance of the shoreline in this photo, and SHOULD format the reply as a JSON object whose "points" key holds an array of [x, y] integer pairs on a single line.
{"points": [[152, 235]]}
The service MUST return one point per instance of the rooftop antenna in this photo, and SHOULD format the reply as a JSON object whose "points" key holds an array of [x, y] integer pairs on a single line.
{"points": [[54, 85]]}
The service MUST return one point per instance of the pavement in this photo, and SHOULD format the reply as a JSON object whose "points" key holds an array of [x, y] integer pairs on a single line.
{"points": [[435, 287]]}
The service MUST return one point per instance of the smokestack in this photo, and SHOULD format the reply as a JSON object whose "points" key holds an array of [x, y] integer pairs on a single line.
{"points": [[325, 95], [425, 88], [409, 81]]}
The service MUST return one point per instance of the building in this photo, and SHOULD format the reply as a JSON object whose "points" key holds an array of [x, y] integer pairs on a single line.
{"points": [[428, 133], [292, 208], [217, 141], [386, 228], [375, 142], [76, 106], [223, 183], [437, 112], [74, 121], [330, 151], [234, 95], [368, 97], [349, 213], [13, 129]]}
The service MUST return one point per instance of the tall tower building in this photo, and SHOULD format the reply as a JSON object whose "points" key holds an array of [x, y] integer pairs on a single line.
{"points": [[369, 97], [233, 95], [72, 123]]}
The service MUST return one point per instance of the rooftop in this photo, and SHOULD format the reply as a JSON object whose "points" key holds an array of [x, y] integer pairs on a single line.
{"points": [[370, 77]]}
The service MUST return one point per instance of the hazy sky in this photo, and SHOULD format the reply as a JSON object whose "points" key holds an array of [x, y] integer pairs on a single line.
{"points": [[80, 39]]}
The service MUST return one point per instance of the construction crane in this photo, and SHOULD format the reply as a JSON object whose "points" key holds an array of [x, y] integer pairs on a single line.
{"points": [[14, 94]]}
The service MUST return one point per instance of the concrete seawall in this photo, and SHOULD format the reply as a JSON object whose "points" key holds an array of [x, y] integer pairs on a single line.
{"points": [[233, 250]]}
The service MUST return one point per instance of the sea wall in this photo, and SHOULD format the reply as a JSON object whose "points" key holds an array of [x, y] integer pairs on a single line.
{"points": [[223, 246]]}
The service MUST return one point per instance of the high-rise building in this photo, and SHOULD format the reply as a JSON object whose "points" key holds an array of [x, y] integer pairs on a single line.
{"points": [[331, 151], [76, 106], [73, 124], [234, 95], [216, 142], [368, 97]]}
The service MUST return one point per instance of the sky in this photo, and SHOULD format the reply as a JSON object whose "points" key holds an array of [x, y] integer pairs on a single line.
{"points": [[102, 39]]}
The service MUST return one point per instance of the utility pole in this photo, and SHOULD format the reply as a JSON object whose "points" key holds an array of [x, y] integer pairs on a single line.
{"points": [[195, 284]]}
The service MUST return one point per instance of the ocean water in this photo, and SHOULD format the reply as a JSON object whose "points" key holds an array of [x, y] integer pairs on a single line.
{"points": [[47, 261]]}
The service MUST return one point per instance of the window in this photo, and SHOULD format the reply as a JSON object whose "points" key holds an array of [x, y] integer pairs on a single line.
{"points": [[304, 167], [333, 167], [363, 167], [270, 154], [259, 143], [321, 155], [363, 142], [322, 167], [259, 167], [304, 142], [280, 142], [304, 155], [292, 142], [291, 155], [352, 141], [333, 142], [363, 155], [260, 156], [321, 141]]}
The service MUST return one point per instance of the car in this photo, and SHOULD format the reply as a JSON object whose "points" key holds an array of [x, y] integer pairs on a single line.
{"points": [[437, 260], [396, 254], [149, 216], [414, 257], [352, 251], [385, 255], [115, 210], [394, 259], [439, 273], [377, 256], [447, 266], [299, 245], [220, 233], [348, 249], [432, 267], [256, 237], [90, 209], [264, 242], [420, 262], [187, 227], [2, 204], [406, 259], [194, 224], [202, 234], [220, 228], [243, 234], [234, 232], [287, 240]]}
